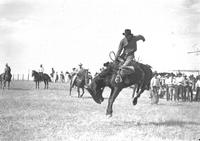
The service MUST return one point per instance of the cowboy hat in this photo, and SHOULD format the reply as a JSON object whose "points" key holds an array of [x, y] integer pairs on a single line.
{"points": [[127, 32]]}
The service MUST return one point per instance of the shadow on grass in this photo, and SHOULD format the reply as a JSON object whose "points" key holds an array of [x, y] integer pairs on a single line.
{"points": [[163, 123], [20, 89], [89, 97]]}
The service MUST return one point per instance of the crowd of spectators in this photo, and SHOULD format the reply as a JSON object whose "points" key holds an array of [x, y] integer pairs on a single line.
{"points": [[179, 87]]}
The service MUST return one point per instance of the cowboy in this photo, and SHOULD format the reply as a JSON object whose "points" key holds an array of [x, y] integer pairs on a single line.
{"points": [[129, 46], [80, 67], [41, 70], [7, 70], [197, 98]]}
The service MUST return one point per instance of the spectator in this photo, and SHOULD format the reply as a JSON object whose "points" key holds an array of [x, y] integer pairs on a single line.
{"points": [[62, 77], [52, 73], [197, 98], [155, 85], [179, 86], [57, 77], [170, 81]]}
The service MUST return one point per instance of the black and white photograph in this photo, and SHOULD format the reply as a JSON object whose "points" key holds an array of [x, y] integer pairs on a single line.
{"points": [[99, 70]]}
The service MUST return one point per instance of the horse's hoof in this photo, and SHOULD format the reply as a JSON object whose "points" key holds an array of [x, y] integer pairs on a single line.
{"points": [[134, 101], [108, 115]]}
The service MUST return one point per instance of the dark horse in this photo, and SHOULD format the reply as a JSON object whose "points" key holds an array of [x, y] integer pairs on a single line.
{"points": [[140, 77], [37, 78], [5, 77], [79, 80]]}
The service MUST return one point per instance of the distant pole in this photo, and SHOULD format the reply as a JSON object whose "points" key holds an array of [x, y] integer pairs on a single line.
{"points": [[194, 52], [28, 73]]}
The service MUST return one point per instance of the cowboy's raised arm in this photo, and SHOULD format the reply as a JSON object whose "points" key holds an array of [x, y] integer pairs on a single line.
{"points": [[139, 37]]}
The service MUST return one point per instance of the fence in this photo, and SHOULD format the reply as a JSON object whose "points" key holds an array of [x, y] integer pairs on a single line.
{"points": [[21, 77], [29, 77]]}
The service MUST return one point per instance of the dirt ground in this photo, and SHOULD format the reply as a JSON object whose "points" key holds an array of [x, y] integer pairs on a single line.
{"points": [[53, 115]]}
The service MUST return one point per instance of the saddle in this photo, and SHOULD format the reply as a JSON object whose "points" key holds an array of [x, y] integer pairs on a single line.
{"points": [[126, 70], [130, 68]]}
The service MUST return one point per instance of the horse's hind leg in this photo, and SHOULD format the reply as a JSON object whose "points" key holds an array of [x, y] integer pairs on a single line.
{"points": [[45, 84], [83, 91], [70, 88], [138, 95], [37, 85], [8, 84]]}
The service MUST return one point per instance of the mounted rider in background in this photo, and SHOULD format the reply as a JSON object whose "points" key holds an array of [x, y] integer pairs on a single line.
{"points": [[41, 70], [129, 46], [7, 70], [76, 72]]}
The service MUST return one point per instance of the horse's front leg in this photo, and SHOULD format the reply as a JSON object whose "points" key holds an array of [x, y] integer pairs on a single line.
{"points": [[134, 90], [114, 93], [4, 84], [83, 91], [78, 90], [44, 85], [70, 88]]}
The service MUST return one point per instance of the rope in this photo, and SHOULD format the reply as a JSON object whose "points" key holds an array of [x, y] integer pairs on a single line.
{"points": [[112, 52]]}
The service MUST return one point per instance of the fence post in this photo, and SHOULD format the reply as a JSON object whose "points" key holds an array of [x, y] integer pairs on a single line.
{"points": [[22, 76], [17, 76]]}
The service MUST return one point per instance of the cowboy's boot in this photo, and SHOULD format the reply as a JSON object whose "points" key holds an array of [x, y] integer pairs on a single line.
{"points": [[122, 72], [118, 78]]}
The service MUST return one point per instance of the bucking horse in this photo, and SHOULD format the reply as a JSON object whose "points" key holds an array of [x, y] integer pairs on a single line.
{"points": [[38, 78], [141, 76]]}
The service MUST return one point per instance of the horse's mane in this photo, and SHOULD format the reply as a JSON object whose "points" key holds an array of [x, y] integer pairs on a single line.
{"points": [[35, 71]]}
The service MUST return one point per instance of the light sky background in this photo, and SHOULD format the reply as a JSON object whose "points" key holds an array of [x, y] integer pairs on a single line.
{"points": [[64, 33]]}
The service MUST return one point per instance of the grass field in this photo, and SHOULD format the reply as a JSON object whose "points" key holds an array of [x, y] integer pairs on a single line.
{"points": [[29, 114]]}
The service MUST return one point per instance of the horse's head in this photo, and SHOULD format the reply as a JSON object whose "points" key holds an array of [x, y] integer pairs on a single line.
{"points": [[96, 88], [102, 80], [34, 73]]}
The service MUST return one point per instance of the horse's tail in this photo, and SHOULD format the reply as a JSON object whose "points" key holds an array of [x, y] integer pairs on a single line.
{"points": [[49, 79]]}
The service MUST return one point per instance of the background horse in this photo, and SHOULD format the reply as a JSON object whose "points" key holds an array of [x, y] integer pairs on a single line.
{"points": [[37, 78], [5, 78], [79, 80], [141, 77]]}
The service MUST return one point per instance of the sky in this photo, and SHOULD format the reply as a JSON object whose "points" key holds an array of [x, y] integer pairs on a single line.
{"points": [[64, 33]]}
